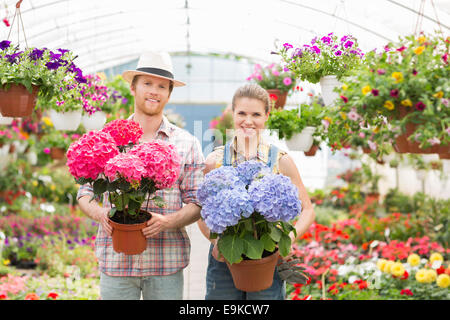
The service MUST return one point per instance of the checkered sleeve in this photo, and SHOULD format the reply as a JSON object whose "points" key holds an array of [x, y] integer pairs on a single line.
{"points": [[192, 173]]}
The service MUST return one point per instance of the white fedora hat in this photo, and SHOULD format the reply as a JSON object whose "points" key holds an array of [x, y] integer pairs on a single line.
{"points": [[157, 64]]}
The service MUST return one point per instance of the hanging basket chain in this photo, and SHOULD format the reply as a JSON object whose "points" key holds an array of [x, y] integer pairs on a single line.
{"points": [[17, 12]]}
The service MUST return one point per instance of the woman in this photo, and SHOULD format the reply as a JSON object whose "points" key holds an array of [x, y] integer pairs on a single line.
{"points": [[250, 107]]}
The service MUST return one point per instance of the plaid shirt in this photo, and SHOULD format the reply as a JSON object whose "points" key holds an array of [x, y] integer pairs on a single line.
{"points": [[170, 251]]}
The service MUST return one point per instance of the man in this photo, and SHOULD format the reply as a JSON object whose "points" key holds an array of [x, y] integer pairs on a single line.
{"points": [[157, 273]]}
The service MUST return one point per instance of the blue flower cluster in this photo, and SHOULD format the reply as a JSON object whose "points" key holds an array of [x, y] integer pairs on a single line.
{"points": [[225, 198], [275, 197], [248, 170]]}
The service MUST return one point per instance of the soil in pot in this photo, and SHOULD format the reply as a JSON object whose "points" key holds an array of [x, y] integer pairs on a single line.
{"points": [[121, 217]]}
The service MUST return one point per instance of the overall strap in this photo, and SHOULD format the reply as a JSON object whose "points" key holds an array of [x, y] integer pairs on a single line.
{"points": [[227, 154], [272, 158]]}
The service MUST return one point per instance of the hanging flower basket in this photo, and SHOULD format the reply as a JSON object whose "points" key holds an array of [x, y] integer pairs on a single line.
{"points": [[301, 141], [17, 101], [65, 120], [94, 121], [254, 275], [327, 85], [278, 96]]}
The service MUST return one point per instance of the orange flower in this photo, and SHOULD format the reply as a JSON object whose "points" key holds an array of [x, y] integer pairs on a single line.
{"points": [[32, 296]]}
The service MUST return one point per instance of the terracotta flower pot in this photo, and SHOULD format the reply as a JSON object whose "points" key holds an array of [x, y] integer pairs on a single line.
{"points": [[128, 238], [311, 151], [281, 97], [254, 275], [366, 150], [17, 101], [57, 153]]}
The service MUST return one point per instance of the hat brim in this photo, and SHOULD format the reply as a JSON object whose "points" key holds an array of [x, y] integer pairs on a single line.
{"points": [[129, 75]]}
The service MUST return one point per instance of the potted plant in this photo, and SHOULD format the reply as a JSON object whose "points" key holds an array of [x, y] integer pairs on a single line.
{"points": [[250, 210], [297, 126], [326, 60], [277, 82], [112, 161], [95, 100], [405, 89], [57, 143], [33, 72], [221, 124]]}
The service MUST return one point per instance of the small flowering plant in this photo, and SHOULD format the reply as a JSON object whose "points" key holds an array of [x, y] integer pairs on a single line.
{"points": [[273, 76], [324, 56], [249, 209], [54, 73], [112, 161], [406, 84]]}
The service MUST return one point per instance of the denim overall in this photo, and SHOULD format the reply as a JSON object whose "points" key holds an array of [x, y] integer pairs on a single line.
{"points": [[219, 282]]}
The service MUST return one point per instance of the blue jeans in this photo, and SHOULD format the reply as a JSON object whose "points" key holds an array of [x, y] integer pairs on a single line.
{"points": [[220, 286], [168, 287]]}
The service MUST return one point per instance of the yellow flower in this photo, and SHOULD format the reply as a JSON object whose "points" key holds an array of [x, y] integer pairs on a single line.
{"points": [[389, 105], [346, 126], [366, 90], [388, 266], [376, 129], [48, 122], [344, 87], [406, 103], [413, 260], [421, 276], [435, 256], [438, 95], [397, 269], [431, 275], [443, 280], [6, 262], [34, 183], [398, 76], [381, 264], [421, 39], [419, 50], [52, 187], [328, 119], [343, 115]]}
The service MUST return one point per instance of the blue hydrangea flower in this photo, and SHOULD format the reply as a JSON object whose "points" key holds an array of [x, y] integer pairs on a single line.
{"points": [[275, 197], [226, 208], [224, 177], [248, 170]]}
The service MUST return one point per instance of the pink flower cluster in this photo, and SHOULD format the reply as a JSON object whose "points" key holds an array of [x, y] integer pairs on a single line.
{"points": [[161, 161], [126, 165], [87, 156], [124, 131]]}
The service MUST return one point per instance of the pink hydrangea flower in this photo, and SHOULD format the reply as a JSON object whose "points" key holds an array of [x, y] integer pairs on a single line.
{"points": [[124, 131], [125, 165], [87, 156], [161, 161]]}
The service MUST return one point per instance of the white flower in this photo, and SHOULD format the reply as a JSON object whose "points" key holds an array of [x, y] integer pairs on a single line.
{"points": [[352, 279]]}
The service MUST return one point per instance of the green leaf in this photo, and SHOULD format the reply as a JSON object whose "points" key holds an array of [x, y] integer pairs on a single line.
{"points": [[253, 248], [268, 243], [159, 201], [275, 233], [100, 186], [231, 247], [284, 245], [112, 212]]}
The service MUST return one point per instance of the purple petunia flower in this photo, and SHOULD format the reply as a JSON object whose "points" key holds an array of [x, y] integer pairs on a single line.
{"points": [[394, 93], [12, 58], [338, 53], [315, 49], [4, 44], [375, 92], [348, 44], [287, 46], [36, 54], [420, 106], [326, 40], [53, 65]]}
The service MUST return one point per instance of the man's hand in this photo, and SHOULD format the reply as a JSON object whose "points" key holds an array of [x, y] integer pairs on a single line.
{"points": [[155, 225], [103, 218], [216, 254], [289, 271]]}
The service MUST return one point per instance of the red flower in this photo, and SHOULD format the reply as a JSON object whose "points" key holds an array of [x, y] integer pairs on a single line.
{"points": [[3, 296], [273, 97], [307, 297], [52, 295], [405, 275], [402, 48], [344, 98], [440, 270], [6, 22], [407, 292]]}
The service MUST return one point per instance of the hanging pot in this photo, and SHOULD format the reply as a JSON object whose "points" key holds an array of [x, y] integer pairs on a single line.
{"points": [[254, 275], [311, 151], [94, 121], [65, 120], [17, 101], [281, 97], [128, 238], [5, 120], [327, 85], [301, 141]]}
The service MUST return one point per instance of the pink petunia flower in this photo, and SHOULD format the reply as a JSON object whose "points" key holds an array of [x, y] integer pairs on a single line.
{"points": [[287, 81]]}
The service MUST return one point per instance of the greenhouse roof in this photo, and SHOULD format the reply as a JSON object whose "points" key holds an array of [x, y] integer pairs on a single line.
{"points": [[106, 33]]}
